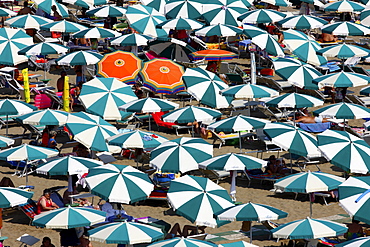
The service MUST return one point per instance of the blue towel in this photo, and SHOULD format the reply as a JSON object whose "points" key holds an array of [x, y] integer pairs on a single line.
{"points": [[316, 127]]}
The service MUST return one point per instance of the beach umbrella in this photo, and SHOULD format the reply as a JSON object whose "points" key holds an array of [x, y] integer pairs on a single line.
{"points": [[314, 2], [69, 217], [163, 76], [119, 183], [183, 242], [343, 6], [213, 55], [294, 100], [180, 155], [87, 2], [365, 17], [11, 41], [46, 6], [171, 48], [282, 3], [238, 244], [296, 72], [68, 165], [191, 9], [107, 11], [79, 58], [358, 242], [292, 139], [198, 199], [156, 4], [27, 152], [96, 33], [224, 11], [343, 111], [80, 3], [103, 96], [304, 47], [44, 117], [218, 30], [346, 29], [343, 51], [261, 16], [132, 39], [125, 233], [354, 198], [125, 66], [11, 197], [309, 229], [136, 139], [180, 24], [249, 91], [302, 22], [27, 21], [5, 141], [7, 12], [205, 87], [63, 27], [191, 114], [90, 130], [341, 79], [43, 49], [365, 91], [144, 19], [345, 150]]}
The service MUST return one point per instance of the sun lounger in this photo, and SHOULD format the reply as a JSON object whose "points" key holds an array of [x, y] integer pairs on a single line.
{"points": [[66, 145], [363, 101], [258, 174], [268, 82], [302, 161], [216, 137], [29, 209], [33, 129], [215, 175], [315, 127]]}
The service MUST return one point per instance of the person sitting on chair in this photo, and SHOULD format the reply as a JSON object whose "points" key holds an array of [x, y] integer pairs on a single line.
{"points": [[45, 203], [52, 142], [275, 166], [354, 230]]}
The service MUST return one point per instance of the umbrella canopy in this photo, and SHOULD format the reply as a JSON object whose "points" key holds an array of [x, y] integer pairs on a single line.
{"points": [[294, 100], [304, 47], [96, 33], [27, 21], [249, 91], [11, 41], [251, 212], [69, 217], [183, 242], [314, 2], [342, 79], [205, 86], [354, 198], [149, 105], [183, 8], [345, 29], [365, 17], [302, 22], [156, 4], [296, 72], [343, 51], [27, 152], [11, 197], [103, 96], [107, 11], [80, 58], [136, 139], [63, 26], [219, 30], [132, 39], [344, 6], [119, 183], [191, 114], [125, 233], [213, 55], [224, 11], [365, 91], [261, 16], [358, 242], [46, 5], [7, 12], [238, 244], [197, 199], [238, 123], [68, 165], [181, 155], [345, 150], [90, 130], [5, 141], [232, 162], [309, 229], [293, 139], [15, 107], [171, 48], [125, 66], [180, 24], [283, 3], [43, 49], [163, 76], [343, 111], [44, 117]]}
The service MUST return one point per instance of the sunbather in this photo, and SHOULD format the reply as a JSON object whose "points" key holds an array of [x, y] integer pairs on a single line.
{"points": [[354, 230], [307, 119], [188, 230], [326, 38], [275, 166]]}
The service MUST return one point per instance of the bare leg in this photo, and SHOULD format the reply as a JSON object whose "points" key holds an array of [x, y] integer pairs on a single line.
{"points": [[175, 231]]}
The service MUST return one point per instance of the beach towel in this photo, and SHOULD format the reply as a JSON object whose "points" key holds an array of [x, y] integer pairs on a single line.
{"points": [[316, 127]]}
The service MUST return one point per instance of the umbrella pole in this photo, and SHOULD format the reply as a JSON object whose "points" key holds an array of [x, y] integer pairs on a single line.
{"points": [[7, 125], [149, 123], [240, 142], [70, 187], [192, 131], [233, 185], [291, 163], [251, 233], [310, 205]]}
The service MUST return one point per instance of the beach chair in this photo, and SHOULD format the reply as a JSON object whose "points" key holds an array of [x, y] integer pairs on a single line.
{"points": [[302, 162], [32, 63], [157, 117], [268, 82], [222, 139], [67, 145], [56, 102], [354, 99], [29, 209], [42, 36], [315, 93], [269, 145], [33, 129], [215, 175], [17, 141], [268, 112]]}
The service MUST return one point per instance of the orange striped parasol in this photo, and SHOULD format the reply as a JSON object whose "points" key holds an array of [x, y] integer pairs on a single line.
{"points": [[213, 55], [125, 66]]}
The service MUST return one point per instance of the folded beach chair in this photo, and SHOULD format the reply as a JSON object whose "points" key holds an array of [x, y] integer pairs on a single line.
{"points": [[222, 139], [57, 102], [29, 209]]}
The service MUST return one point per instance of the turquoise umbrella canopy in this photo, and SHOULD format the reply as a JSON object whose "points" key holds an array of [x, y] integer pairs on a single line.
{"points": [[11, 197]]}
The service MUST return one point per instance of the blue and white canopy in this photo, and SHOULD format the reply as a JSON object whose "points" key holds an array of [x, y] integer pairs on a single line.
{"points": [[44, 117], [132, 39], [232, 162], [249, 91], [46, 6], [224, 11], [43, 49], [261, 16], [302, 22], [15, 107], [219, 30], [190, 114], [238, 123], [182, 242], [238, 244], [191, 9], [294, 100], [149, 105], [156, 4], [341, 79], [343, 111], [27, 152], [343, 6], [107, 11], [27, 21], [283, 3], [96, 33], [345, 29], [80, 58], [5, 141], [357, 242], [180, 24], [63, 26], [7, 12], [343, 51], [136, 139], [11, 197]]}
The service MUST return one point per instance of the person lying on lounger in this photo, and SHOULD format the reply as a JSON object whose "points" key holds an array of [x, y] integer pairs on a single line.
{"points": [[188, 230]]}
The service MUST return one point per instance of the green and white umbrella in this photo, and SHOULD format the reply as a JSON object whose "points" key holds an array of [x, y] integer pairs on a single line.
{"points": [[249, 91], [261, 16], [346, 29], [149, 105], [304, 47], [309, 229], [86, 3], [294, 100], [79, 58], [69, 217], [119, 183], [125, 233], [68, 165], [11, 41], [345, 151], [343, 51], [174, 49], [365, 91], [354, 198], [224, 11], [11, 197], [191, 9], [180, 24], [357, 242], [343, 6], [44, 117], [219, 30], [7, 12], [63, 26], [27, 152], [156, 4], [365, 17], [341, 79], [180, 155], [198, 199], [27, 21], [132, 39], [91, 130], [5, 141], [296, 72], [46, 6], [302, 22], [43, 49], [283, 3], [136, 139], [343, 111], [96, 33], [103, 96], [107, 11], [205, 87], [238, 244], [292, 139], [183, 242], [191, 114]]}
